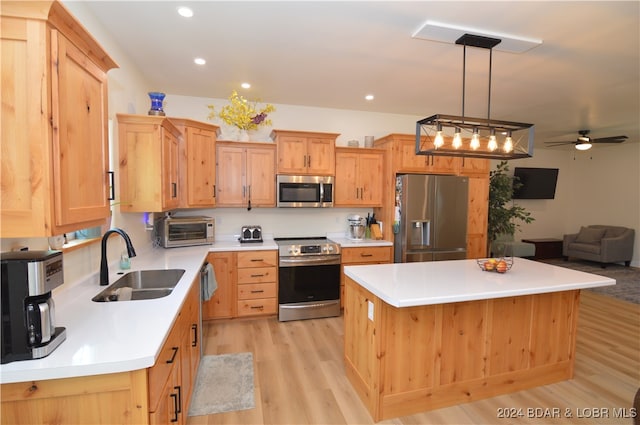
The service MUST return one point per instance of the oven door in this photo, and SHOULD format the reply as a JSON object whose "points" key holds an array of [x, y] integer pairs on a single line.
{"points": [[308, 279]]}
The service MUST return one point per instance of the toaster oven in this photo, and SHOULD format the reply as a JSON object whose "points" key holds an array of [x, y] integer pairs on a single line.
{"points": [[173, 232]]}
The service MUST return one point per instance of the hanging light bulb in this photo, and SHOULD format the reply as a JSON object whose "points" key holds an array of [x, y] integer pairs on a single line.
{"points": [[508, 143], [493, 144], [475, 139], [457, 139], [439, 141]]}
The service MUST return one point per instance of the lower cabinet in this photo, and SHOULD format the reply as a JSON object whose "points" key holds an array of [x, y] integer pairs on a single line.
{"points": [[172, 378], [157, 395], [247, 284], [362, 255]]}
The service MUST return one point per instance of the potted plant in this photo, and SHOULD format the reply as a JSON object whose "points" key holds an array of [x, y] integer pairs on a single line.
{"points": [[504, 215]]}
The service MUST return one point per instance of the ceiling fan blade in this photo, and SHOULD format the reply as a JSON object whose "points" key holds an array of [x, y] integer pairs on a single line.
{"points": [[613, 139], [559, 143]]}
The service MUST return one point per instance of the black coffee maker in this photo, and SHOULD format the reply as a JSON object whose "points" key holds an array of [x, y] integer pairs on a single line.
{"points": [[28, 313]]}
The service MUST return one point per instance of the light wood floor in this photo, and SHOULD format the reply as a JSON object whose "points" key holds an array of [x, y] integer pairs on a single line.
{"points": [[299, 374]]}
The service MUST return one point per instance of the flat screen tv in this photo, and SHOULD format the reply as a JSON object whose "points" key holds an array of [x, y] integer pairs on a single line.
{"points": [[537, 183]]}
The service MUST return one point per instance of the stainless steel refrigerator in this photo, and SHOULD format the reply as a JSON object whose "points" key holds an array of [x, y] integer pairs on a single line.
{"points": [[431, 218]]}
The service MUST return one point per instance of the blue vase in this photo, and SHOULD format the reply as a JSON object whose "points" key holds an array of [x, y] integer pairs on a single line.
{"points": [[156, 103]]}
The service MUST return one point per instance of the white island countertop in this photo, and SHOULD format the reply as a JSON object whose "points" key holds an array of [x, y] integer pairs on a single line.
{"points": [[440, 282]]}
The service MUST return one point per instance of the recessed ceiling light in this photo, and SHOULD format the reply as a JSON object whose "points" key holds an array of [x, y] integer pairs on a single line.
{"points": [[199, 61], [369, 97], [185, 12], [245, 85]]}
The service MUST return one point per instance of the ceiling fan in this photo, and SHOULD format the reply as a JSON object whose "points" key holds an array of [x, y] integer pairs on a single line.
{"points": [[584, 142]]}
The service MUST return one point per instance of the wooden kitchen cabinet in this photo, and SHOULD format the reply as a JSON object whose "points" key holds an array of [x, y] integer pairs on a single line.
{"points": [[257, 282], [362, 255], [429, 164], [477, 217], [359, 177], [305, 153], [245, 175], [54, 132], [474, 167], [247, 284], [197, 163], [222, 303], [149, 163]]}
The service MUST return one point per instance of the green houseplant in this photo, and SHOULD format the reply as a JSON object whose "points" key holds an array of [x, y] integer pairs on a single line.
{"points": [[504, 216]]}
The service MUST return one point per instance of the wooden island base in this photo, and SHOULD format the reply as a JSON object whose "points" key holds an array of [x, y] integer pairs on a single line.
{"points": [[407, 360]]}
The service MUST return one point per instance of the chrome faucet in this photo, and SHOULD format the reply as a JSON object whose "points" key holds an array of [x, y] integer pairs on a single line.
{"points": [[104, 269]]}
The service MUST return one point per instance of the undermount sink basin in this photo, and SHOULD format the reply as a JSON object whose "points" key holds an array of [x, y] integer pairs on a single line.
{"points": [[141, 285]]}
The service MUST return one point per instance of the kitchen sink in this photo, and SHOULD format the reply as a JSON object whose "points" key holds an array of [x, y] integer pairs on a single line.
{"points": [[141, 285]]}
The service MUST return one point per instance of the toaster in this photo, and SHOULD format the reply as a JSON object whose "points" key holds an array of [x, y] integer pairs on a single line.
{"points": [[251, 233]]}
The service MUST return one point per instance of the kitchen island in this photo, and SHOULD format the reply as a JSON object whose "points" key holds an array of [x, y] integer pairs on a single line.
{"points": [[420, 336]]}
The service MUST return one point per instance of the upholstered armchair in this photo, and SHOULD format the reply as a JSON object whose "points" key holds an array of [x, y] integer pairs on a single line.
{"points": [[604, 244]]}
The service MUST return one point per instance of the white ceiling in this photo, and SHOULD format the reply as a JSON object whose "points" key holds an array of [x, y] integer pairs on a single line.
{"points": [[585, 75]]}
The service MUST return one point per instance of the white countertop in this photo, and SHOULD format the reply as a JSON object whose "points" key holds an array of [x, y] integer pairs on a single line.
{"points": [[111, 337], [439, 282], [350, 243]]}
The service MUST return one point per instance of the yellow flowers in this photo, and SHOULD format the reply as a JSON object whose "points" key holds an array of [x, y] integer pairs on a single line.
{"points": [[242, 113]]}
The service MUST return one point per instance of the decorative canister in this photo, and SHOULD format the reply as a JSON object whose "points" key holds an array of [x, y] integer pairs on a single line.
{"points": [[156, 103]]}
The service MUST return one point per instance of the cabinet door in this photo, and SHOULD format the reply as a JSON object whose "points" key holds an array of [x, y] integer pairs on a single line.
{"points": [[261, 178], [170, 157], [371, 179], [477, 217], [169, 410], [409, 161], [230, 178], [292, 155], [321, 157], [201, 167], [222, 302], [80, 145], [347, 191], [24, 125]]}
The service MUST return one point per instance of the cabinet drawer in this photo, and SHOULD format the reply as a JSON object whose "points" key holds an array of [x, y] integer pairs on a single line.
{"points": [[257, 275], [377, 254], [257, 307], [257, 259], [159, 372], [256, 290]]}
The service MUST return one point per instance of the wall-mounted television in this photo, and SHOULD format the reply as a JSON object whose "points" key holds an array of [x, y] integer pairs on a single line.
{"points": [[537, 183]]}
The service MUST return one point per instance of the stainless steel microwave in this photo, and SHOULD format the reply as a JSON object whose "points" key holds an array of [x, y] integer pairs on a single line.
{"points": [[305, 191], [173, 232]]}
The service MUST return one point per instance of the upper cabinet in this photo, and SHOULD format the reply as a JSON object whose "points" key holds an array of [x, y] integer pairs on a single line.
{"points": [[410, 162], [246, 175], [54, 124], [305, 153], [149, 163], [197, 163], [359, 177]]}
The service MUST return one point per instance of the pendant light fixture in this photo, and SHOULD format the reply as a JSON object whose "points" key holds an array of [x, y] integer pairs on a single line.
{"points": [[451, 135]]}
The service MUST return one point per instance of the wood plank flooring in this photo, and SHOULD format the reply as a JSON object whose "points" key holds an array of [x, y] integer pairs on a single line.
{"points": [[299, 375]]}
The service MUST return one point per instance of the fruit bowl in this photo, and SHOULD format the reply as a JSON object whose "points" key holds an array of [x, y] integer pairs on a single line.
{"points": [[499, 265]]}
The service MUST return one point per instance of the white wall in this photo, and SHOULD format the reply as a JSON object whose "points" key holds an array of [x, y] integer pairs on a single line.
{"points": [[599, 186]]}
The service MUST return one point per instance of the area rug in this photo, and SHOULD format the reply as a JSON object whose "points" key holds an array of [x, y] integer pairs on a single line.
{"points": [[224, 383], [627, 287]]}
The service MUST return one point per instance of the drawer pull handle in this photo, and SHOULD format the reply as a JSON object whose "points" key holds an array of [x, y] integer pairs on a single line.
{"points": [[173, 357], [194, 328], [256, 259], [257, 275], [257, 307], [175, 407], [257, 291], [366, 255]]}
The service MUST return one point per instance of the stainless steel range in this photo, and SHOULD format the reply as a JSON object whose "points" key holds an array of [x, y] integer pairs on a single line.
{"points": [[308, 278]]}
